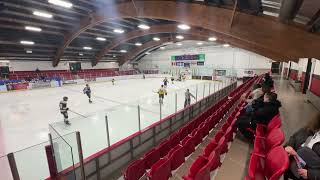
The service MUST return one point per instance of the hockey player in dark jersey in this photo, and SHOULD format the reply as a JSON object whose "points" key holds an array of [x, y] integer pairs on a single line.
{"points": [[165, 82], [87, 91], [64, 109]]}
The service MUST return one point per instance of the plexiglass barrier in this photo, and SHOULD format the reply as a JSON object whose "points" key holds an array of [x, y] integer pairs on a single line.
{"points": [[5, 172], [65, 150], [126, 119], [32, 162]]}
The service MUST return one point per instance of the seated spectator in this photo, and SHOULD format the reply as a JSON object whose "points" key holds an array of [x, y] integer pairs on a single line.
{"points": [[262, 115], [258, 102], [255, 94], [267, 80], [303, 148]]}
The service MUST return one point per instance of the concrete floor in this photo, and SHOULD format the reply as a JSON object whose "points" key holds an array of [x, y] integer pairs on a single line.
{"points": [[295, 112]]}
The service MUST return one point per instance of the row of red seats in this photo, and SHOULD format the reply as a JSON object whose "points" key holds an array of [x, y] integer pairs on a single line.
{"points": [[67, 75], [171, 153], [268, 160], [210, 158]]}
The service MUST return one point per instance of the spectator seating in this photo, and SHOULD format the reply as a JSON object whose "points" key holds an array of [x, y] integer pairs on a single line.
{"points": [[68, 75], [172, 151]]}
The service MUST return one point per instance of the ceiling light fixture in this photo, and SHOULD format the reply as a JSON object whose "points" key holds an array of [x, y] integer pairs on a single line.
{"points": [[27, 42], [80, 54], [179, 37], [138, 44], [61, 3], [179, 44], [226, 45], [183, 26], [114, 56], [212, 39], [118, 31], [156, 39], [123, 51], [143, 26], [29, 52], [31, 28], [101, 39], [162, 48], [87, 48], [147, 53], [199, 43], [42, 14]]}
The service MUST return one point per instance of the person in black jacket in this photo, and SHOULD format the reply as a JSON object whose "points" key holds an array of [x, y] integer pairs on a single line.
{"points": [[262, 114], [269, 109], [268, 80], [305, 143]]}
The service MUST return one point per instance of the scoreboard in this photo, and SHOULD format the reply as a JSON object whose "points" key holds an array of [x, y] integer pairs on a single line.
{"points": [[188, 60]]}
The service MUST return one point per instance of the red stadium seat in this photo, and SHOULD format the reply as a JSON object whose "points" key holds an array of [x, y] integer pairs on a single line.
{"points": [[175, 139], [164, 148], [271, 167], [135, 170], [188, 145], [197, 136], [176, 157], [161, 170], [277, 162], [183, 132], [199, 170], [214, 160], [275, 138], [151, 157], [209, 148]]}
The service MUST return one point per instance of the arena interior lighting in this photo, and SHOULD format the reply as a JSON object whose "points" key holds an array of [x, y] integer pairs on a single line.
{"points": [[42, 14], [123, 51], [179, 44], [27, 42], [119, 31], [29, 52], [31, 28], [226, 45], [200, 43], [138, 44], [143, 26], [87, 48], [183, 26], [179, 37], [61, 3], [212, 39], [156, 39], [101, 39]]}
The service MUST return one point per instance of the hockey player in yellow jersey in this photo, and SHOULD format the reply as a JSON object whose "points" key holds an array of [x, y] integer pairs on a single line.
{"points": [[162, 91]]}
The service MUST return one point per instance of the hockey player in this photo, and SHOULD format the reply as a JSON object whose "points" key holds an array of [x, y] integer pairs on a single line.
{"points": [[165, 82], [172, 79], [87, 91], [162, 91], [113, 81], [188, 96], [64, 109]]}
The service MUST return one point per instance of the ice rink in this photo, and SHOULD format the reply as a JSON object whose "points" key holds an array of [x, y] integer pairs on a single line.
{"points": [[25, 115]]}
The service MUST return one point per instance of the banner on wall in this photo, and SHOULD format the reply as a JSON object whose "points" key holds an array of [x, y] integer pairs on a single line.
{"points": [[188, 60]]}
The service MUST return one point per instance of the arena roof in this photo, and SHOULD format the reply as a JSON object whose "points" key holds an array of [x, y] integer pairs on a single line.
{"points": [[97, 30]]}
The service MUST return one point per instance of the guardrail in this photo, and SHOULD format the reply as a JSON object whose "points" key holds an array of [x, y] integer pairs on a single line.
{"points": [[103, 163]]}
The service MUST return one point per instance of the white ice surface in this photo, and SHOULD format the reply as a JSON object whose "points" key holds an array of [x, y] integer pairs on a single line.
{"points": [[25, 115]]}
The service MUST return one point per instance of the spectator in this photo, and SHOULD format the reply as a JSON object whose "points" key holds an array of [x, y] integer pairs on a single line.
{"points": [[37, 70], [255, 94], [267, 80], [262, 115], [304, 145]]}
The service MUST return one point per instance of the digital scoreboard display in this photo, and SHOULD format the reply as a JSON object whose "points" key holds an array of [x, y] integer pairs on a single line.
{"points": [[188, 60], [195, 57]]}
